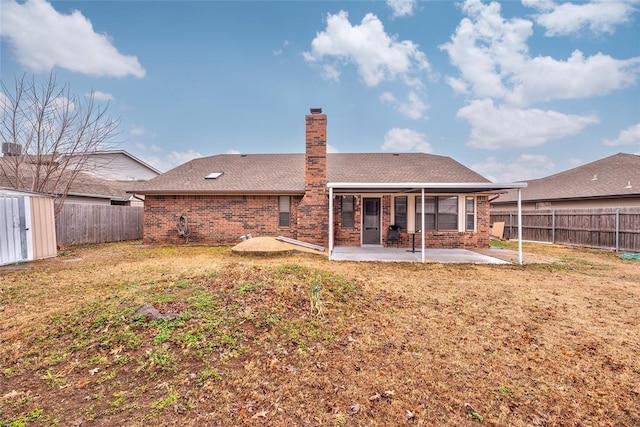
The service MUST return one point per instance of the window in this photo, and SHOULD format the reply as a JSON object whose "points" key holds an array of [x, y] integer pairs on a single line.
{"points": [[347, 211], [284, 211], [470, 210], [400, 212], [440, 213]]}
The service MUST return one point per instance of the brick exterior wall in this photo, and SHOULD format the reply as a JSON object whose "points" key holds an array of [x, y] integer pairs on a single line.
{"points": [[313, 211], [433, 239], [215, 219], [347, 236]]}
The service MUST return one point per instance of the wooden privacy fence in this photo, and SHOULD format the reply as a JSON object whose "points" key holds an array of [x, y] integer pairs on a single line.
{"points": [[84, 223], [617, 229]]}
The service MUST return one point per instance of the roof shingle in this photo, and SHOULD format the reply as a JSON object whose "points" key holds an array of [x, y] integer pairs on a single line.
{"points": [[608, 177], [284, 173]]}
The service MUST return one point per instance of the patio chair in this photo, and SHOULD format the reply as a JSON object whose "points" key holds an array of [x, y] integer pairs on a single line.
{"points": [[393, 235]]}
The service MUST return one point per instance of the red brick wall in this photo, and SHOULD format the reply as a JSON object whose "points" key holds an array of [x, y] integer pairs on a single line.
{"points": [[215, 219], [433, 239], [313, 211], [347, 236]]}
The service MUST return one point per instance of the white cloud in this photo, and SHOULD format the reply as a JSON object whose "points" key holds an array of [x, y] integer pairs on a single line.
{"points": [[493, 58], [525, 167], [508, 127], [179, 157], [628, 136], [378, 56], [598, 16], [413, 107], [232, 151], [281, 50], [156, 149], [402, 7], [577, 77], [332, 149], [137, 131], [42, 38], [101, 96], [405, 140]]}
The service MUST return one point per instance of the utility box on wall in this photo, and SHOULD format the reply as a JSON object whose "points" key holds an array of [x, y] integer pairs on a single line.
{"points": [[27, 227]]}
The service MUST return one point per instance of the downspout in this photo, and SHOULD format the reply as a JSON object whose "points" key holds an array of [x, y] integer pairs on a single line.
{"points": [[330, 222], [422, 223], [520, 226]]}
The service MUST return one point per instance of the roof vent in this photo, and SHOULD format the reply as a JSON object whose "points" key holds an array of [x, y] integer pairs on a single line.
{"points": [[213, 175], [628, 186], [243, 155], [316, 110], [595, 177]]}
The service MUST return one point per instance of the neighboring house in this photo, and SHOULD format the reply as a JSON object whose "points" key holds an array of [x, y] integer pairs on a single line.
{"points": [[612, 182], [326, 199], [106, 177], [118, 165]]}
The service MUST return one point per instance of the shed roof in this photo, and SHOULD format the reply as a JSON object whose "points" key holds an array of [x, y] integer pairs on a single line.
{"points": [[284, 173], [614, 176]]}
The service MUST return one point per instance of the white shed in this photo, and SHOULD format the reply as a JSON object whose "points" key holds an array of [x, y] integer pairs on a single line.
{"points": [[27, 226]]}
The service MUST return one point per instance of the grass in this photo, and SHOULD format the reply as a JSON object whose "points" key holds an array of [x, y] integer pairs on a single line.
{"points": [[301, 341]]}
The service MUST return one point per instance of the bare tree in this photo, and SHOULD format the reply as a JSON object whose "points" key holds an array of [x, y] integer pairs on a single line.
{"points": [[49, 135]]}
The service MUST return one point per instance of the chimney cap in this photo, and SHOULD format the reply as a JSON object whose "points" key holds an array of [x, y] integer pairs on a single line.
{"points": [[316, 110]]}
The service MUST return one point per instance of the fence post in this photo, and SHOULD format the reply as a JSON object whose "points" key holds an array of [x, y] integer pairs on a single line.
{"points": [[617, 229], [510, 225], [553, 226]]}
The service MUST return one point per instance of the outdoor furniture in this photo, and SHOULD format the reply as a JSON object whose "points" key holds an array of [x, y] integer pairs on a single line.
{"points": [[393, 235], [413, 240]]}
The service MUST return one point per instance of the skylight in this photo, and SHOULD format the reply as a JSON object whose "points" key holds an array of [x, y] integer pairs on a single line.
{"points": [[213, 175]]}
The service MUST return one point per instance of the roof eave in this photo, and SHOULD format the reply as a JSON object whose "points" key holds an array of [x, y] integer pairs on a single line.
{"points": [[567, 199], [467, 187], [217, 193]]}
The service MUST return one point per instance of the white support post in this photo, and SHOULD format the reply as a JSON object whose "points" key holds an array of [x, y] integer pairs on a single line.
{"points": [[520, 226], [422, 223], [330, 222]]}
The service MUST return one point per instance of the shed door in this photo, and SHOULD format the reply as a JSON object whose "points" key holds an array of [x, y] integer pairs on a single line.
{"points": [[371, 221], [13, 230]]}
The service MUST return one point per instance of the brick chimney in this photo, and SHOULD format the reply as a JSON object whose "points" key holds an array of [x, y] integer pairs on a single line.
{"points": [[313, 211]]}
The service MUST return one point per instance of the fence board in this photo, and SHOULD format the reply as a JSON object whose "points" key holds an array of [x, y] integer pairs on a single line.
{"points": [[84, 223], [607, 228]]}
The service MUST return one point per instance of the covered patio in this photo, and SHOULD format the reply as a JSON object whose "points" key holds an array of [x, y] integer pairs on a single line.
{"points": [[382, 254], [421, 252]]}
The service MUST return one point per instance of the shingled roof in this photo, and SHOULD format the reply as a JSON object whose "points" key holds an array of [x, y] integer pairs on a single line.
{"points": [[284, 173], [613, 176]]}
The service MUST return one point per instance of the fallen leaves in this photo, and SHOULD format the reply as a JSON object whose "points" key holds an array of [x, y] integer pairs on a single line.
{"points": [[353, 409]]}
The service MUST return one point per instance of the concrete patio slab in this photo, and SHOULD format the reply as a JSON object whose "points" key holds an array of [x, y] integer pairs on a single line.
{"points": [[382, 254]]}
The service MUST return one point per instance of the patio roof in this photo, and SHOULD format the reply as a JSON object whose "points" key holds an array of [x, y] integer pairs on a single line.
{"points": [[422, 187], [417, 187]]}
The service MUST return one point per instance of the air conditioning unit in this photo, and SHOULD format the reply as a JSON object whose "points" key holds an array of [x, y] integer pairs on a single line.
{"points": [[11, 149]]}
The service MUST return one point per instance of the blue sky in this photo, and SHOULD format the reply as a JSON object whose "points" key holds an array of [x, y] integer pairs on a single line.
{"points": [[515, 90]]}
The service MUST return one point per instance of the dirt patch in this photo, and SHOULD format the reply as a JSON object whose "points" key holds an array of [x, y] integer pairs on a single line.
{"points": [[299, 340], [267, 246]]}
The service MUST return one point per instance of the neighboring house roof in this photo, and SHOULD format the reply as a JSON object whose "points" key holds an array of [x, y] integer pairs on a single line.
{"points": [[612, 177], [84, 185], [285, 173]]}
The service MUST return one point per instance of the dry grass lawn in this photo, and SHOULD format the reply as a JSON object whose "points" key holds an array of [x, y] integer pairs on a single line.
{"points": [[296, 340]]}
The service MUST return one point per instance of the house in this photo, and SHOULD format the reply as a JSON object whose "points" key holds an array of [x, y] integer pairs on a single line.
{"points": [[325, 199], [612, 182], [105, 177]]}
